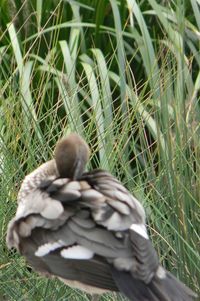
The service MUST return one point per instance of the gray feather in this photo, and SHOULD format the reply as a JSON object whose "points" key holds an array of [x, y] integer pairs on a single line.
{"points": [[61, 210]]}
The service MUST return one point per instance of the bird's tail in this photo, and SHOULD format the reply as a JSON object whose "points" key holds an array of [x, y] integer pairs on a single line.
{"points": [[168, 288]]}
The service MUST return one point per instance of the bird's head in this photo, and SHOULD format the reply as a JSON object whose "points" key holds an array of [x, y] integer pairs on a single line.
{"points": [[71, 156]]}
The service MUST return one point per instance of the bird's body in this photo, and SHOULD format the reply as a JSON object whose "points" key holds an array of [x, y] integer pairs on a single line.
{"points": [[88, 230]]}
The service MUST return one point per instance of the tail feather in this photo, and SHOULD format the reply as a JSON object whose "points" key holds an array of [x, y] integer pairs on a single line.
{"points": [[166, 289], [175, 289]]}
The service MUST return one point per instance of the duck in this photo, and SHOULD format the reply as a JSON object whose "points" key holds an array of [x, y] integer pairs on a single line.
{"points": [[88, 230]]}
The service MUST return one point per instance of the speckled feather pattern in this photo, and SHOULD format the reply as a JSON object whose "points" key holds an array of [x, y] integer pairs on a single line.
{"points": [[89, 231]]}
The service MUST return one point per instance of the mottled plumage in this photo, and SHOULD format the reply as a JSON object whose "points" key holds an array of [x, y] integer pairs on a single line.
{"points": [[88, 230]]}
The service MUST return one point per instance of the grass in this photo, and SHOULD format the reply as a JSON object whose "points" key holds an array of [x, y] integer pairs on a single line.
{"points": [[126, 77]]}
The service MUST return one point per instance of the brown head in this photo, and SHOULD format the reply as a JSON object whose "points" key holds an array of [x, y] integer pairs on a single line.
{"points": [[71, 156]]}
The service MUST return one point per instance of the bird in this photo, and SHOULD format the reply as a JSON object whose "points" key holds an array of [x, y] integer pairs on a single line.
{"points": [[88, 230]]}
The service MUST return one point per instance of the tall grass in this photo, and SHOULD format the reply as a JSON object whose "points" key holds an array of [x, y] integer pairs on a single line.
{"points": [[125, 75]]}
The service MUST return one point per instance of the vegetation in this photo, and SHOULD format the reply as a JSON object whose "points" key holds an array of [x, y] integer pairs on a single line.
{"points": [[125, 75]]}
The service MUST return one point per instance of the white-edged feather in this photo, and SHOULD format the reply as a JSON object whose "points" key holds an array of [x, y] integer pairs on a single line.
{"points": [[49, 247], [77, 252], [161, 273], [140, 229]]}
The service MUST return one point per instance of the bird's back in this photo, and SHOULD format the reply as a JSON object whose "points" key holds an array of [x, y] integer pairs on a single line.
{"points": [[89, 231]]}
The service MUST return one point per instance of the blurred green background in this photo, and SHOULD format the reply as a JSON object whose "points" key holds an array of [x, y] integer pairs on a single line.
{"points": [[126, 76]]}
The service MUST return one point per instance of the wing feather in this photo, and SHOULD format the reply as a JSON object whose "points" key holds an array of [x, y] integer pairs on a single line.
{"points": [[97, 214]]}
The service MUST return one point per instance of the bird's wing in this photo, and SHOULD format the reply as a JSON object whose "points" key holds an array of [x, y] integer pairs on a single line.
{"points": [[90, 230], [137, 272], [123, 215], [91, 217]]}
